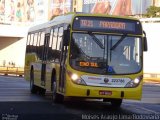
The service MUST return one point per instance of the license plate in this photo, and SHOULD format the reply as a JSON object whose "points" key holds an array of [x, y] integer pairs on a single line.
{"points": [[103, 92]]}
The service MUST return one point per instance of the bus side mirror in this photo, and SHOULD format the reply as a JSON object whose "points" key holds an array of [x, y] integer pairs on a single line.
{"points": [[66, 37], [145, 45]]}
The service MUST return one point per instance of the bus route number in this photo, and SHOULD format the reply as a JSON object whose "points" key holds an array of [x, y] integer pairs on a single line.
{"points": [[88, 64]]}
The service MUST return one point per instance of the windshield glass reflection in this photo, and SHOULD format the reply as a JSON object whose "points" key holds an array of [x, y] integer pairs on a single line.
{"points": [[93, 53]]}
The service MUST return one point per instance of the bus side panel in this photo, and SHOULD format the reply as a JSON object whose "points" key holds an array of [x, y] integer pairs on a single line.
{"points": [[49, 68], [37, 73], [30, 58]]}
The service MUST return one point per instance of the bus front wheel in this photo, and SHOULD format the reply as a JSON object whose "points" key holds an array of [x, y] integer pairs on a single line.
{"points": [[32, 86], [57, 98]]}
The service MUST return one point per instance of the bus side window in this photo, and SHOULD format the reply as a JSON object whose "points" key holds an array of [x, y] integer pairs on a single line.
{"points": [[60, 35], [41, 44], [38, 44], [59, 42], [31, 43], [55, 38], [54, 52], [28, 41], [35, 42], [50, 57]]}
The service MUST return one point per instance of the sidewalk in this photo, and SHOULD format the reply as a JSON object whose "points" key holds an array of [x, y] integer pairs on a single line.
{"points": [[151, 80]]}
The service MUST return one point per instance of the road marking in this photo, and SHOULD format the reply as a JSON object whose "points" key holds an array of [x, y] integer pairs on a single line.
{"points": [[142, 108], [152, 84]]}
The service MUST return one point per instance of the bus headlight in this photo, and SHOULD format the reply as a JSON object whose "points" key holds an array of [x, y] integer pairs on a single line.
{"points": [[76, 79], [135, 82]]}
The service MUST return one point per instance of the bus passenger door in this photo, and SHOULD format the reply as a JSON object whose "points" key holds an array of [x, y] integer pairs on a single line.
{"points": [[63, 56], [62, 67], [44, 59]]}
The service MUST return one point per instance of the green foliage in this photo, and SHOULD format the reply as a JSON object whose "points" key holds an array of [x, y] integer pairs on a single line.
{"points": [[53, 17], [153, 11]]}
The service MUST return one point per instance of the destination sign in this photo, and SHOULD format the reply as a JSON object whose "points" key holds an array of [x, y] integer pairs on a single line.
{"points": [[104, 24], [88, 64]]}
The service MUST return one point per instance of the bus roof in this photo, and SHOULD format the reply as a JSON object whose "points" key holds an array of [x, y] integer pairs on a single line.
{"points": [[67, 18], [55, 21]]}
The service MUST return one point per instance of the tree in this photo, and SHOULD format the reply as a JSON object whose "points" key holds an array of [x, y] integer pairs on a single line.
{"points": [[153, 11], [53, 17]]}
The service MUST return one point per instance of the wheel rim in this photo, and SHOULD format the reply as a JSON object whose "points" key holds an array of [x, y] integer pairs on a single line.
{"points": [[54, 88]]}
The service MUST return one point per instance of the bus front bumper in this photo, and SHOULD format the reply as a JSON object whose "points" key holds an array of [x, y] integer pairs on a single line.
{"points": [[74, 90]]}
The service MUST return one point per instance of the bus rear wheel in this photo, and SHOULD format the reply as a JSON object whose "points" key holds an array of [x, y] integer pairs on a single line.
{"points": [[42, 91], [57, 98], [33, 88]]}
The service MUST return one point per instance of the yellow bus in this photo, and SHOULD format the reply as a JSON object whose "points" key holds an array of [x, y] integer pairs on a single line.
{"points": [[87, 56]]}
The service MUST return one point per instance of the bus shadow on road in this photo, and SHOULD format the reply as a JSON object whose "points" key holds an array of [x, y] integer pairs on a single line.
{"points": [[95, 108], [90, 106]]}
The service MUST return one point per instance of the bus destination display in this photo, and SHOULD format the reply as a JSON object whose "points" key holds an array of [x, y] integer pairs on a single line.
{"points": [[104, 24]]}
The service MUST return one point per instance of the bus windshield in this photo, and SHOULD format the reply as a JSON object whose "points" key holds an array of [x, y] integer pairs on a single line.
{"points": [[94, 53]]}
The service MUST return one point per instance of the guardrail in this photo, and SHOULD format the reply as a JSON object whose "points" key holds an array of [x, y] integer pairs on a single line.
{"points": [[151, 75], [7, 70], [19, 71]]}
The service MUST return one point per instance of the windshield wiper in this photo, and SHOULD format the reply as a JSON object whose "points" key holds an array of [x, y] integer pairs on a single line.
{"points": [[96, 40], [119, 41]]}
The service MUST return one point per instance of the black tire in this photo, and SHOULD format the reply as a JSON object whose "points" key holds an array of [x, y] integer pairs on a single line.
{"points": [[33, 88], [42, 91], [116, 103], [56, 98]]}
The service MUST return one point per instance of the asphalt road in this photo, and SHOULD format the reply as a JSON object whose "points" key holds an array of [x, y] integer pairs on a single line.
{"points": [[16, 103]]}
